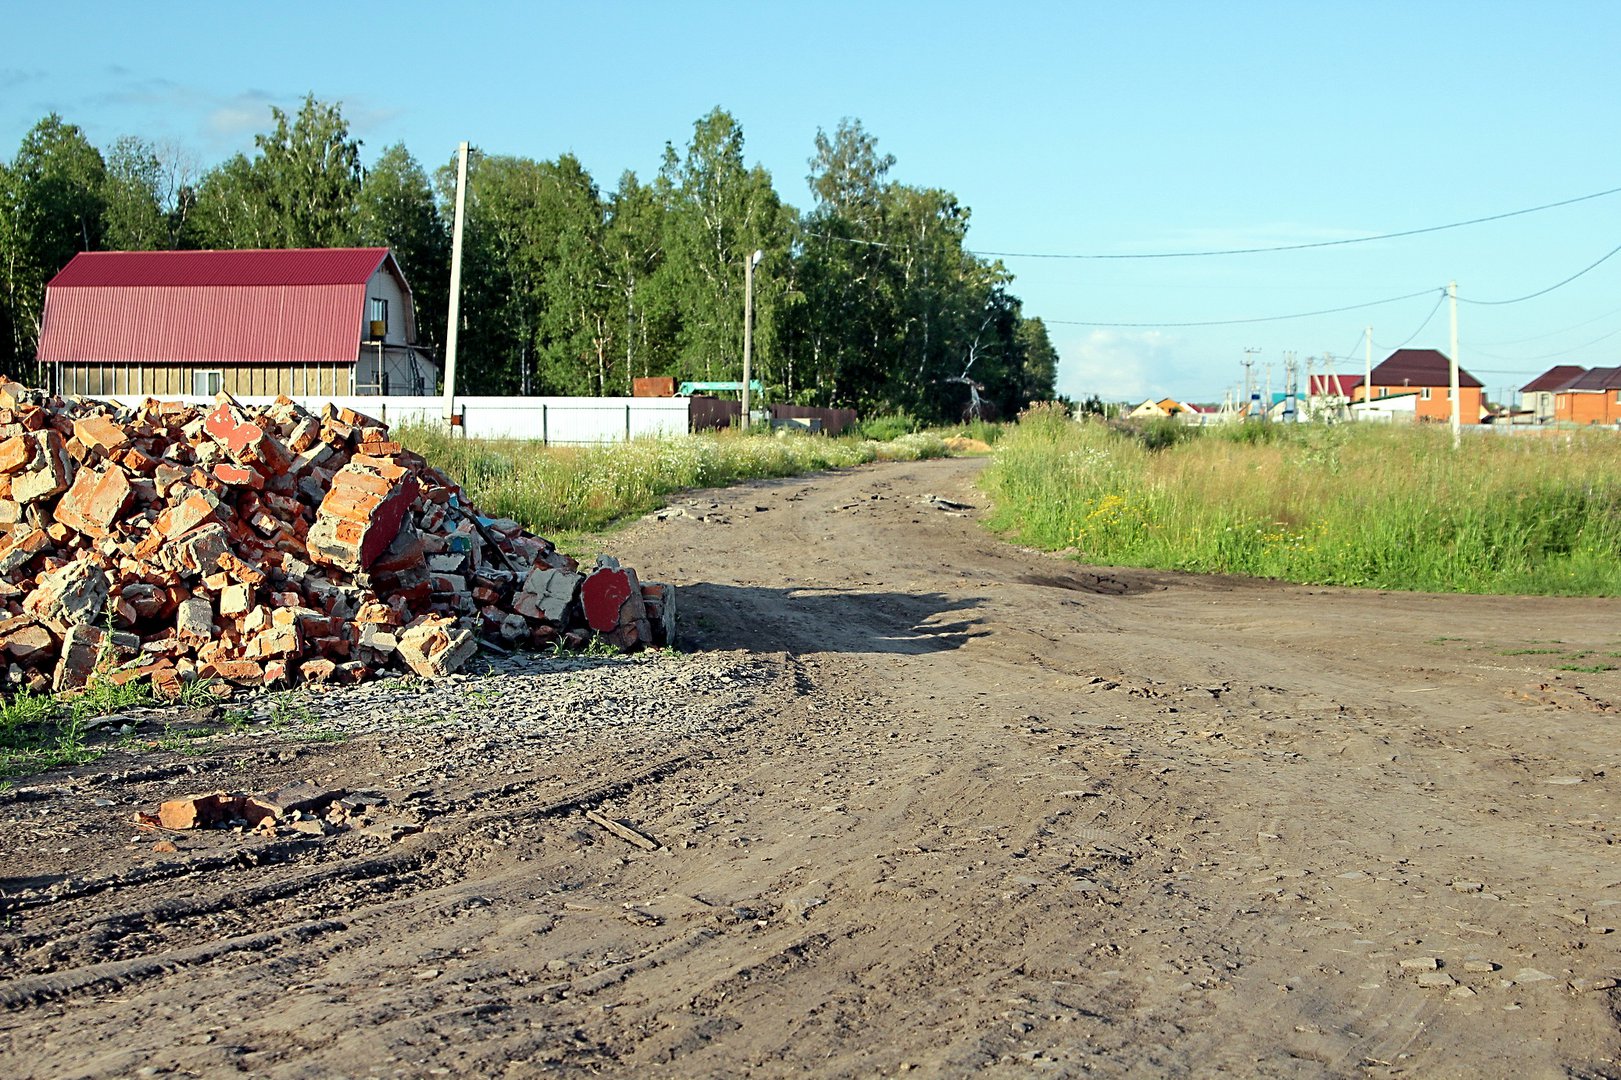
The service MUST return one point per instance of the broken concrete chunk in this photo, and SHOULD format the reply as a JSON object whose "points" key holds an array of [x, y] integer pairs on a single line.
{"points": [[436, 647], [49, 471], [72, 595]]}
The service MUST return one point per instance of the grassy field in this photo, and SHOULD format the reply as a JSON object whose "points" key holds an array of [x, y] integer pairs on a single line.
{"points": [[582, 489], [1389, 508]]}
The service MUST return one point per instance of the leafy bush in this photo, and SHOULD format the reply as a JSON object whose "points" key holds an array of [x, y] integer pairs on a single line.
{"points": [[887, 428]]}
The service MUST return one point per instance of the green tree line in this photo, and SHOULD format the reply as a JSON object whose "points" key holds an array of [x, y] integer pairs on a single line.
{"points": [[867, 298]]}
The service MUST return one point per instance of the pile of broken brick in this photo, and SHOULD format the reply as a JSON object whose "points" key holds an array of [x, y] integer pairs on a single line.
{"points": [[266, 547]]}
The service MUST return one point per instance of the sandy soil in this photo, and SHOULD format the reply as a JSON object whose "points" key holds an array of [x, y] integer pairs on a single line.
{"points": [[967, 808]]}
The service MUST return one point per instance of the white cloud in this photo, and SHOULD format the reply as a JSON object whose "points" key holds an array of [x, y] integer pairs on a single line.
{"points": [[1118, 365], [242, 114]]}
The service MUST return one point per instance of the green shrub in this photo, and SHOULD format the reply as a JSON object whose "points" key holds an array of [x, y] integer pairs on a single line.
{"points": [[888, 427]]}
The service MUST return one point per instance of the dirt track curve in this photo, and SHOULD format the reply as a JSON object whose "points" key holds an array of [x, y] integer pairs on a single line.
{"points": [[955, 807]]}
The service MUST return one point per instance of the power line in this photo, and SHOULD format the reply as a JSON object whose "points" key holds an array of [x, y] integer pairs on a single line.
{"points": [[1550, 288], [1305, 246], [1554, 333], [1439, 300], [1247, 250], [1238, 322], [1552, 355]]}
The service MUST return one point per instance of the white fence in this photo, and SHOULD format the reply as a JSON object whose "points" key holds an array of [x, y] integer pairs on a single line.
{"points": [[565, 420]]}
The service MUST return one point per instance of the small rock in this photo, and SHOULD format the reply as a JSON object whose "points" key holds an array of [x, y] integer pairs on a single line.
{"points": [[1421, 963], [1468, 886], [1436, 980], [1531, 975], [1479, 967], [1582, 986]]}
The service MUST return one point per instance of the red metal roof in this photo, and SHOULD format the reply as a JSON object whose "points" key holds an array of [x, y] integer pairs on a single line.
{"points": [[1319, 385], [1420, 367], [1555, 378], [209, 306], [1600, 378], [177, 269]]}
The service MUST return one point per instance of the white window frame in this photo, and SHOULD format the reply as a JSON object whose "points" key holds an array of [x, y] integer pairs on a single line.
{"points": [[217, 381], [1426, 393]]}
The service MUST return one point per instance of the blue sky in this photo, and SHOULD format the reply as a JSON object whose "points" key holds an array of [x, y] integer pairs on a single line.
{"points": [[1103, 128]]}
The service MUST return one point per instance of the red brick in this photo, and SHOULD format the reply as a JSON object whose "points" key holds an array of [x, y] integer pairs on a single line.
{"points": [[16, 452], [101, 434], [95, 503], [238, 476]]}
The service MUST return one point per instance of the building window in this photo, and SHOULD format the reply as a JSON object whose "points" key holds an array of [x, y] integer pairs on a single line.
{"points": [[1426, 393], [206, 382], [377, 317]]}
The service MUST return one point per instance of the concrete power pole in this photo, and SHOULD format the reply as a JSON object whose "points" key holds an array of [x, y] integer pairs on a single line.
{"points": [[1250, 399], [1289, 367], [1457, 406], [455, 285]]}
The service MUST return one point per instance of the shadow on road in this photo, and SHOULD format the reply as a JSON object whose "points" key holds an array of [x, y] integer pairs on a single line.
{"points": [[822, 620]]}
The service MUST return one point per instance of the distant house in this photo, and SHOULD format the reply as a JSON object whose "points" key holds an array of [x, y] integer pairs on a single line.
{"points": [[1593, 397], [1389, 408], [1537, 396], [331, 321], [1428, 372], [1162, 407]]}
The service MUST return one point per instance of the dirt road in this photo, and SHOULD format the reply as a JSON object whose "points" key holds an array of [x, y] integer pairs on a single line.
{"points": [[945, 806]]}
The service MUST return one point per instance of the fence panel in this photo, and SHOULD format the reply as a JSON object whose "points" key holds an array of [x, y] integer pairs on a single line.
{"points": [[565, 420]]}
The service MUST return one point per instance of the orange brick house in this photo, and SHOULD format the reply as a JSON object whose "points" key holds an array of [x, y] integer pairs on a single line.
{"points": [[1537, 396], [1593, 397], [1428, 373]]}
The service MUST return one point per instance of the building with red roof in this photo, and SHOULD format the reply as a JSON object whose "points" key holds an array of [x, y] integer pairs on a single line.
{"points": [[1593, 397], [307, 322], [1537, 396], [1428, 372], [1333, 386]]}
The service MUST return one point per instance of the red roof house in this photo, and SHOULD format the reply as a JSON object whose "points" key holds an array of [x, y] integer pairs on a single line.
{"points": [[313, 322], [1593, 397], [1537, 396], [1428, 372]]}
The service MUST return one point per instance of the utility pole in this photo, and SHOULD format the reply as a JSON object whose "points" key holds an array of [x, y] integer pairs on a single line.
{"points": [[455, 285], [1367, 371], [1266, 409], [1457, 406], [748, 327], [1290, 387], [1249, 382]]}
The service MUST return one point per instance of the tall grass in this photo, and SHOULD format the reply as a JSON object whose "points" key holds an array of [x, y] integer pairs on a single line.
{"points": [[1390, 508], [583, 489]]}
